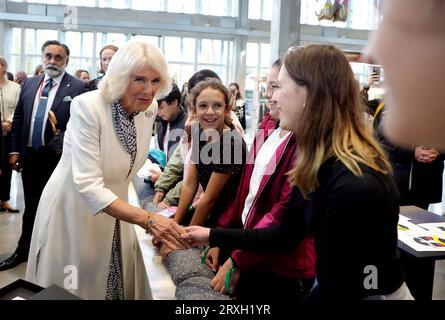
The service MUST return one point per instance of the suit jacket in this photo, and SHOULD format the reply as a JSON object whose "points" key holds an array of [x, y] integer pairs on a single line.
{"points": [[69, 88]]}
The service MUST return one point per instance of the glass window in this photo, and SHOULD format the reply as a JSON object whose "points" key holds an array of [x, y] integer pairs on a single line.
{"points": [[265, 55], [232, 7], [255, 9], [267, 10], [117, 39], [187, 71], [73, 41], [17, 40], [180, 73], [75, 64], [152, 5], [150, 39], [117, 4], [36, 38], [42, 1], [45, 35], [252, 54], [181, 6], [364, 14], [260, 9], [30, 43], [188, 49], [219, 70], [99, 42], [14, 64], [31, 62], [251, 78], [263, 74], [79, 3], [308, 12], [87, 44], [212, 51], [172, 48], [214, 8]]}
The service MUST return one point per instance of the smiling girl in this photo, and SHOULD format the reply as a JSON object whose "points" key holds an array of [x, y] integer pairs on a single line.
{"points": [[218, 156]]}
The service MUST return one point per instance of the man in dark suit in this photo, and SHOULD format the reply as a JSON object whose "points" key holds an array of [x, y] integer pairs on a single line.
{"points": [[418, 171], [32, 131]]}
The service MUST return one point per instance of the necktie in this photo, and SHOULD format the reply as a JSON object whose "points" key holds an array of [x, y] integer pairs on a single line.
{"points": [[40, 115]]}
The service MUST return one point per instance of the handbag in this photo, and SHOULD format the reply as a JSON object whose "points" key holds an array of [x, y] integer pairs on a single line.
{"points": [[56, 143]]}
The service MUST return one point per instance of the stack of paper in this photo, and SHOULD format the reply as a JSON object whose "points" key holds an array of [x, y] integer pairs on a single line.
{"points": [[422, 237]]}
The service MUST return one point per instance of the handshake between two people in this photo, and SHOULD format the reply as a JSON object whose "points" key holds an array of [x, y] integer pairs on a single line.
{"points": [[169, 236]]}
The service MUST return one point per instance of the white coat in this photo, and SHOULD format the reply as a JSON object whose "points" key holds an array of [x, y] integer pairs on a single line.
{"points": [[72, 238]]}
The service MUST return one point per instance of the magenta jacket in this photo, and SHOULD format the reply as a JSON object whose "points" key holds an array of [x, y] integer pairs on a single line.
{"points": [[267, 210]]}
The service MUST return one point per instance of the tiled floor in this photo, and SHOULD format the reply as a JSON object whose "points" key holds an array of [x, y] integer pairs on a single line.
{"points": [[10, 229]]}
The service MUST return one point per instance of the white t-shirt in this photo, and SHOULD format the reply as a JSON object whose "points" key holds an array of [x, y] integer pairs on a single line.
{"points": [[264, 157]]}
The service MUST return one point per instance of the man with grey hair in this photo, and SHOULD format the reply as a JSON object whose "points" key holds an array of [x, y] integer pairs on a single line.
{"points": [[32, 132], [20, 77]]}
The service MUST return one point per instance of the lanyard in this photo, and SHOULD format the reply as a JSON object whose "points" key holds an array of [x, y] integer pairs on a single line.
{"points": [[41, 87], [377, 111], [379, 108]]}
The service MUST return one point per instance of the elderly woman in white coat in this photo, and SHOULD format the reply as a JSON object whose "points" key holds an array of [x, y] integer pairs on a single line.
{"points": [[83, 234]]}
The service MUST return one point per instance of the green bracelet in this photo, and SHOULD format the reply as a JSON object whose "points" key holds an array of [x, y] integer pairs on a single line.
{"points": [[229, 276], [204, 255]]}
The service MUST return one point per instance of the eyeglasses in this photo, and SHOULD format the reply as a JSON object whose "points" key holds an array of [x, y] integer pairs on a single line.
{"points": [[204, 107], [269, 89]]}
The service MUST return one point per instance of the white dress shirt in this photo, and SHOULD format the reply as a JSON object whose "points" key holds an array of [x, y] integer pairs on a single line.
{"points": [[51, 95]]}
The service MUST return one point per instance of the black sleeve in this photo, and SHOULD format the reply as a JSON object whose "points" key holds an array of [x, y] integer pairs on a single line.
{"points": [[2, 153], [17, 122], [92, 85], [281, 238]]}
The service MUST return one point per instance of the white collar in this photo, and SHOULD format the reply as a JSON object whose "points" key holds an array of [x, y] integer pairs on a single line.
{"points": [[55, 80]]}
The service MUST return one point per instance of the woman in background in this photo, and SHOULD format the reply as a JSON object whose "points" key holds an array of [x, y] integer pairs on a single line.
{"points": [[238, 103], [105, 55], [9, 96], [82, 75]]}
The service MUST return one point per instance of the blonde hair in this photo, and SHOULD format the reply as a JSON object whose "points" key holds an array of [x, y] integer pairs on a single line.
{"points": [[4, 63], [332, 121], [133, 55]]}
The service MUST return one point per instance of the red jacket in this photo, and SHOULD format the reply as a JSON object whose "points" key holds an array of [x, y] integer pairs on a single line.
{"points": [[267, 210]]}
